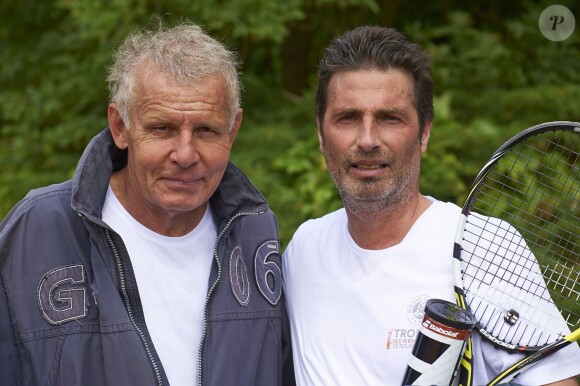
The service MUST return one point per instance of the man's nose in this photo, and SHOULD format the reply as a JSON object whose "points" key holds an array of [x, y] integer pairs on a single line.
{"points": [[369, 137], [185, 149]]}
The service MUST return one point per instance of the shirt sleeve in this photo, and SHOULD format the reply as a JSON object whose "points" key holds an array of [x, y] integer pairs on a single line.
{"points": [[556, 367]]}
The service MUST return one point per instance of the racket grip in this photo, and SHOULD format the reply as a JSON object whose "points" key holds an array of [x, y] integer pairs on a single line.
{"points": [[440, 344]]}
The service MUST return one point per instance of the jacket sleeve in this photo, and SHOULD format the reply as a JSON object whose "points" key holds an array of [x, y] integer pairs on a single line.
{"points": [[15, 232], [11, 366], [288, 378]]}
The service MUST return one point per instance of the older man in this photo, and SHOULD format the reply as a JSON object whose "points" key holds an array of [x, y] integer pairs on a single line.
{"points": [[159, 261]]}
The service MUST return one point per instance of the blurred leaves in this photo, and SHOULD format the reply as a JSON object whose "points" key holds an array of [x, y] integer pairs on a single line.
{"points": [[495, 75]]}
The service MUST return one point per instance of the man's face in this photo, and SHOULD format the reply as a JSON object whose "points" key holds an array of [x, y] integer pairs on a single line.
{"points": [[370, 137], [178, 142]]}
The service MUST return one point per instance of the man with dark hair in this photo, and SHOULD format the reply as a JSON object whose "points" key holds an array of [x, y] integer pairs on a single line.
{"points": [[149, 266], [357, 280]]}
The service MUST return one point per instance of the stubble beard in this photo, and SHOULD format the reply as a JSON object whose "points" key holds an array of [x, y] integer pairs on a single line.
{"points": [[369, 198]]}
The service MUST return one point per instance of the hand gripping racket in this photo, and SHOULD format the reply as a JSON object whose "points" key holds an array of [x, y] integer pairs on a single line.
{"points": [[517, 252]]}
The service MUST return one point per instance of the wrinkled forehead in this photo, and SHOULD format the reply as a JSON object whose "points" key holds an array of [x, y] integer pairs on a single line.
{"points": [[371, 87], [149, 78]]}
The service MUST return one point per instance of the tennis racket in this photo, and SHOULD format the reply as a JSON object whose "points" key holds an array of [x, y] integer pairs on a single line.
{"points": [[516, 253]]}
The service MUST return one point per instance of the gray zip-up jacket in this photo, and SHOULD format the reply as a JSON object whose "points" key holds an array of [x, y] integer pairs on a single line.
{"points": [[70, 312]]}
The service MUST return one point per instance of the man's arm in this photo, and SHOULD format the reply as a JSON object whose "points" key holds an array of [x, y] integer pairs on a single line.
{"points": [[288, 364], [565, 382], [9, 358]]}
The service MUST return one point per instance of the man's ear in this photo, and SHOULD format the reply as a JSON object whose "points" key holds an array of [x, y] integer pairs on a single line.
{"points": [[236, 125], [117, 126], [319, 130], [425, 136]]}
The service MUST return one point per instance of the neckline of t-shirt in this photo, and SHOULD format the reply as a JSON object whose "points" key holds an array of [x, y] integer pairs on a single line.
{"points": [[409, 236], [205, 223]]}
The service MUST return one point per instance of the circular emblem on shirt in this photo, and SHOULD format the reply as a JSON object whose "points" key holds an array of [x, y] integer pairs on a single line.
{"points": [[416, 309]]}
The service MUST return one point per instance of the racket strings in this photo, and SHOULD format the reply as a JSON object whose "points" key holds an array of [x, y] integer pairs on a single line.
{"points": [[490, 301], [526, 264], [537, 192]]}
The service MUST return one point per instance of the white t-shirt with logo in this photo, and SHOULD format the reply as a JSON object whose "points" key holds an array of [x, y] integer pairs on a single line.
{"points": [[172, 276], [355, 313]]}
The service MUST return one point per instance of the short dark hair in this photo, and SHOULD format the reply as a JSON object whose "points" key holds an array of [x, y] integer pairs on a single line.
{"points": [[371, 47]]}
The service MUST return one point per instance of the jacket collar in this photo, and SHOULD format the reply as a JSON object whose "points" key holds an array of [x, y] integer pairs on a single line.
{"points": [[235, 194]]}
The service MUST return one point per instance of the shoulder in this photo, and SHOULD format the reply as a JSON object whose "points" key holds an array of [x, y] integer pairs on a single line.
{"points": [[316, 232], [328, 223], [436, 226], [443, 204], [443, 211], [39, 206]]}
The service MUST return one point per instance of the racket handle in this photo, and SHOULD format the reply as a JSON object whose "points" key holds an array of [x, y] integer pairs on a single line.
{"points": [[440, 344]]}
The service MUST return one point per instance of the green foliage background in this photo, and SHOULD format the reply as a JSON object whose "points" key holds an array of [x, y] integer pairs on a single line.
{"points": [[495, 75]]}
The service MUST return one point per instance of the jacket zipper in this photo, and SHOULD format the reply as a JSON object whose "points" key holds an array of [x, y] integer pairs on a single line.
{"points": [[216, 257], [129, 310]]}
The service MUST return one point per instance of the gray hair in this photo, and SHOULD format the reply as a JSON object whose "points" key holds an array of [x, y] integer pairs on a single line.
{"points": [[368, 48], [184, 53]]}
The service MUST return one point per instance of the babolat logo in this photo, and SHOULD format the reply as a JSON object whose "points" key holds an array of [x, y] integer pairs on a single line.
{"points": [[493, 339], [439, 330]]}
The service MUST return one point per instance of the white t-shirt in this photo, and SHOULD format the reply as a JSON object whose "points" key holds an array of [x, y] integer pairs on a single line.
{"points": [[172, 276], [354, 313]]}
